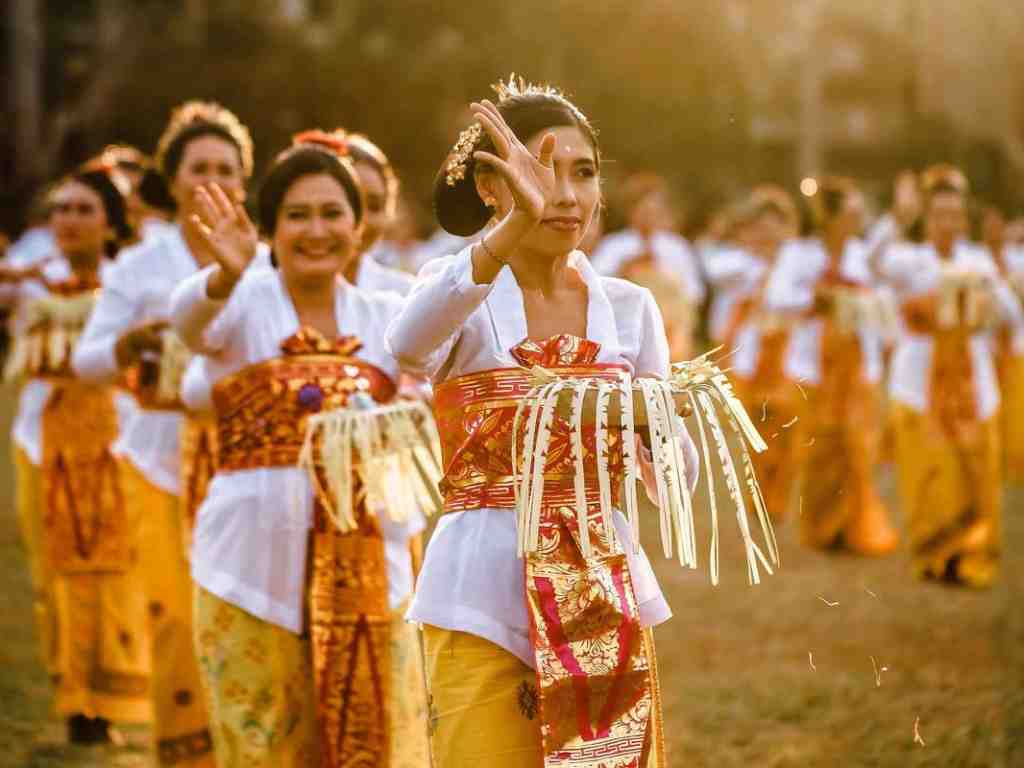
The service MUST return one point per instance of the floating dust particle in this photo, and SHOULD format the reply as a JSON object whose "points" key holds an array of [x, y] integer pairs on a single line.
{"points": [[917, 733], [801, 512], [878, 672], [810, 659], [800, 388], [871, 593], [775, 435], [117, 738], [764, 411], [791, 422], [809, 444], [826, 602]]}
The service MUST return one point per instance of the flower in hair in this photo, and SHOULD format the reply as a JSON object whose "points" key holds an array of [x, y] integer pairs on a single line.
{"points": [[461, 153], [335, 141]]}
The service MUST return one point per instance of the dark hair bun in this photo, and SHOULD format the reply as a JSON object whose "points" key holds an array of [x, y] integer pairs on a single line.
{"points": [[458, 208]]}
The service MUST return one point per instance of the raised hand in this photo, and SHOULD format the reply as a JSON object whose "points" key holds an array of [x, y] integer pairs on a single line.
{"points": [[531, 180], [221, 232]]}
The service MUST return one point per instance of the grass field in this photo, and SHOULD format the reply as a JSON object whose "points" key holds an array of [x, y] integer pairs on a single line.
{"points": [[828, 663]]}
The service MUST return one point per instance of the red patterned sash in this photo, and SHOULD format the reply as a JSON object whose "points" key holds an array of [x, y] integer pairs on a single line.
{"points": [[595, 669], [261, 420]]}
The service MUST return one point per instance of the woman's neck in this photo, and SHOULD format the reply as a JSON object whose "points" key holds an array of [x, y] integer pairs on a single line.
{"points": [[85, 266], [537, 271], [351, 270], [835, 245], [314, 302]]}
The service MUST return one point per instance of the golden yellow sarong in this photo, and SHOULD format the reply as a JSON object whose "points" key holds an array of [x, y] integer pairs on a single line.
{"points": [[1011, 387], [840, 506], [410, 747], [258, 679], [181, 723], [776, 405], [485, 705], [198, 466], [951, 492], [29, 504], [101, 663]]}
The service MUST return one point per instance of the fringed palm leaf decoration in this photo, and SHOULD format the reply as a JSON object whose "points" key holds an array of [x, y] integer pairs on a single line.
{"points": [[395, 449], [702, 386], [53, 324]]}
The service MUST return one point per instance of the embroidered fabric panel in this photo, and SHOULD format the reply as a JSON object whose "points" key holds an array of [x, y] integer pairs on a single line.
{"points": [[85, 519], [262, 409], [595, 678]]}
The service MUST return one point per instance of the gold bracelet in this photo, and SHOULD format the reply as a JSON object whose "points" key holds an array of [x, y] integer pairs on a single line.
{"points": [[489, 252]]}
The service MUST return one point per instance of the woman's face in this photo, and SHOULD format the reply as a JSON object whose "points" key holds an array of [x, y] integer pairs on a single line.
{"points": [[946, 219], [315, 235], [849, 222], [79, 220], [207, 159], [577, 196], [768, 232], [377, 217]]}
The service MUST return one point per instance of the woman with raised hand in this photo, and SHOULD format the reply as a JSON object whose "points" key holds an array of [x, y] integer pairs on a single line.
{"points": [[292, 615], [127, 339], [823, 287], [546, 661], [81, 536]]}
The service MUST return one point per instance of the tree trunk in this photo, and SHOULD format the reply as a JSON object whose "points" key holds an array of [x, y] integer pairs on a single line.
{"points": [[26, 83]]}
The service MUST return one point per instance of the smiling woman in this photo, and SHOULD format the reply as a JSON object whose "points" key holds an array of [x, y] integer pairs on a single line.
{"points": [[289, 649], [557, 669]]}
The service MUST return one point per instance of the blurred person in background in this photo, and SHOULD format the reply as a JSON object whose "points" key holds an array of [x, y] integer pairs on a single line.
{"points": [[1009, 261], [733, 267], [757, 339], [127, 338], [147, 217], [400, 244], [36, 242], [902, 222], [649, 252], [822, 287], [380, 192], [81, 536], [944, 389]]}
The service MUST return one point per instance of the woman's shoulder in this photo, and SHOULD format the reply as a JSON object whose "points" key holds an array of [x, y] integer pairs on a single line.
{"points": [[624, 295]]}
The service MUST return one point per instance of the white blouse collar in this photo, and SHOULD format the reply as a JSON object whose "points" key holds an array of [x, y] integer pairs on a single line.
{"points": [[508, 314]]}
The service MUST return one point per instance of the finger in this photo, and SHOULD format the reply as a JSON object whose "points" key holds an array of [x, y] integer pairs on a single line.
{"points": [[224, 203], [547, 150], [204, 239], [200, 229], [206, 209], [498, 165], [243, 216], [498, 118], [498, 138]]}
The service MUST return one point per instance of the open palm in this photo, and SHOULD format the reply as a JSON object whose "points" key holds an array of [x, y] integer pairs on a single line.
{"points": [[222, 231], [531, 180]]}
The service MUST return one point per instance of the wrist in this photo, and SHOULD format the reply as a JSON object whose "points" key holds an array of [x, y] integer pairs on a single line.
{"points": [[220, 284]]}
